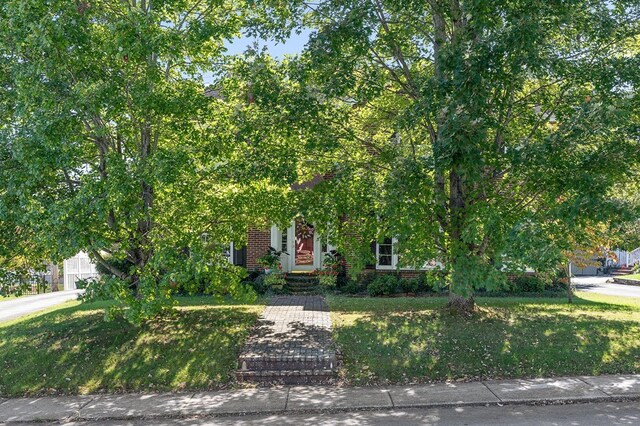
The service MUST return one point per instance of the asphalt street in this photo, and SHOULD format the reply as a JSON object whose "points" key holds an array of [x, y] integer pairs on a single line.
{"points": [[600, 285], [15, 308]]}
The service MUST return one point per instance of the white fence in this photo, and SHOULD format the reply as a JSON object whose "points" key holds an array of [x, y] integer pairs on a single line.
{"points": [[79, 267], [626, 258]]}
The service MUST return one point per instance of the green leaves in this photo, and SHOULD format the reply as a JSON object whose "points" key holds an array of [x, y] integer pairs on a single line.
{"points": [[110, 144], [473, 132]]}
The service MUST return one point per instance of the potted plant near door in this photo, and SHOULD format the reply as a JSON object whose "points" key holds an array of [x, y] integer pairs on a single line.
{"points": [[276, 280], [270, 261]]}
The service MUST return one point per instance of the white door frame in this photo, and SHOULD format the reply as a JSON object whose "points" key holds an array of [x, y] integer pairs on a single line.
{"points": [[288, 261], [291, 248]]}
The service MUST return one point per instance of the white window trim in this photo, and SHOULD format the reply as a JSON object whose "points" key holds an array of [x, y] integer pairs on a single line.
{"points": [[231, 257], [394, 260], [394, 256]]}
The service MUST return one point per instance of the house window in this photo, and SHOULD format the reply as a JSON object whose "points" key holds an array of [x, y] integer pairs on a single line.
{"points": [[384, 254], [284, 242], [388, 258]]}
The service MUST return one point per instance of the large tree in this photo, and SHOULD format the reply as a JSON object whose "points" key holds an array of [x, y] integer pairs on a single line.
{"points": [[478, 133], [110, 142]]}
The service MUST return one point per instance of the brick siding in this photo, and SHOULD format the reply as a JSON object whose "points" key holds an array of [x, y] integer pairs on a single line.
{"points": [[258, 242]]}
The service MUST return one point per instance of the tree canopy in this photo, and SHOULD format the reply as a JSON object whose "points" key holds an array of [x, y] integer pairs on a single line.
{"points": [[112, 143], [485, 135]]}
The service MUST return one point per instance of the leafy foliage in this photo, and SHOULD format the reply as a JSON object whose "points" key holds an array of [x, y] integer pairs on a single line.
{"points": [[476, 133], [111, 143], [383, 285]]}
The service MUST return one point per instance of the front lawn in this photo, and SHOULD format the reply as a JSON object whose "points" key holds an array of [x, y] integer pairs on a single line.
{"points": [[409, 340], [71, 350], [630, 277]]}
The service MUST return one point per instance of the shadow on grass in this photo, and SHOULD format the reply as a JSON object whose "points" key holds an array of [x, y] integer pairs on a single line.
{"points": [[72, 350], [507, 339], [391, 304]]}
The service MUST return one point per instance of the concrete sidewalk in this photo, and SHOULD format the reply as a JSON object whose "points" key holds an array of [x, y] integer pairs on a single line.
{"points": [[305, 399]]}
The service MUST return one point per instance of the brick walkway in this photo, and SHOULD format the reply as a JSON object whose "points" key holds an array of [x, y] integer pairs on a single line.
{"points": [[291, 343]]}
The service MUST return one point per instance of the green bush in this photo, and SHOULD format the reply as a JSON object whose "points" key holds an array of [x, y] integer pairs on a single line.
{"points": [[383, 285], [409, 285], [528, 284], [327, 281], [353, 287], [275, 281], [257, 284], [82, 284], [365, 278], [95, 289]]}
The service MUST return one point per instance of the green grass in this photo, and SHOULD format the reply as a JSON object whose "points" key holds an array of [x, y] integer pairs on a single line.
{"points": [[410, 340], [70, 349], [630, 277]]}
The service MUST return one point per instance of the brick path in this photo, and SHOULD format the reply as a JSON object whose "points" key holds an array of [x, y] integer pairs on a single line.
{"points": [[291, 343]]}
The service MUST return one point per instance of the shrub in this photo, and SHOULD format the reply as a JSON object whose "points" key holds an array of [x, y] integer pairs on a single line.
{"points": [[82, 283], [252, 275], [257, 284], [271, 259], [353, 287], [383, 285], [528, 284], [365, 278], [409, 285], [327, 280], [274, 280]]}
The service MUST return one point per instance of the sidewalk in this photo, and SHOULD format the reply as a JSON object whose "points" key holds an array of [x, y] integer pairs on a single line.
{"points": [[291, 400]]}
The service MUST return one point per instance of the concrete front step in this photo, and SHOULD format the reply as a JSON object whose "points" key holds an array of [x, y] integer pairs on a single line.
{"points": [[290, 377]]}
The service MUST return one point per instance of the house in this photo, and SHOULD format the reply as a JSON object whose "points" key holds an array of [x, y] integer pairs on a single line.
{"points": [[78, 267], [305, 248]]}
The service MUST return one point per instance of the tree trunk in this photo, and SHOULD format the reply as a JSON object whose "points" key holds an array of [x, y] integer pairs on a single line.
{"points": [[460, 295], [55, 276], [569, 287]]}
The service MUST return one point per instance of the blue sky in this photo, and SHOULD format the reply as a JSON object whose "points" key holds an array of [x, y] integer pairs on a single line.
{"points": [[294, 45]]}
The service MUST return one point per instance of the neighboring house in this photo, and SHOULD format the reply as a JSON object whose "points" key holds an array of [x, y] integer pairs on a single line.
{"points": [[79, 267], [617, 258]]}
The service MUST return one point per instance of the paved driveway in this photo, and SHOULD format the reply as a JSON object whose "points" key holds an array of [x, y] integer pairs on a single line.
{"points": [[600, 285], [16, 308]]}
